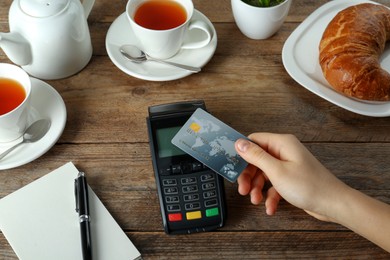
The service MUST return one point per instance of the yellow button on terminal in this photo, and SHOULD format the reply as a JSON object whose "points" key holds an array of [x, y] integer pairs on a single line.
{"points": [[193, 215]]}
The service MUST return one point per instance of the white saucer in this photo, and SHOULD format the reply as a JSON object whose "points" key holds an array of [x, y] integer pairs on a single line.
{"points": [[45, 103], [300, 59], [121, 33]]}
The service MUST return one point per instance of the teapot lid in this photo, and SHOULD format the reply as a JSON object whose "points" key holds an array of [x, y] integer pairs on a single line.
{"points": [[42, 8]]}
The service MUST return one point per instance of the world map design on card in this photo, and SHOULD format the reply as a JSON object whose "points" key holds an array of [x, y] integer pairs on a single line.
{"points": [[211, 142]]}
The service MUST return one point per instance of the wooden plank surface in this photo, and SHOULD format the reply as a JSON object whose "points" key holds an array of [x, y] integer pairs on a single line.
{"points": [[245, 85]]}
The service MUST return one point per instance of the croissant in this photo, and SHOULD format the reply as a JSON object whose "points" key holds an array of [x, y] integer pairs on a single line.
{"points": [[350, 50]]}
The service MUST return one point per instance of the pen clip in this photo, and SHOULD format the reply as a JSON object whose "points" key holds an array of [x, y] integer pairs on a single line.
{"points": [[76, 194]]}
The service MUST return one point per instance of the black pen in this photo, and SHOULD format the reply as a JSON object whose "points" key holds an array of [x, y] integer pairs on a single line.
{"points": [[82, 207]]}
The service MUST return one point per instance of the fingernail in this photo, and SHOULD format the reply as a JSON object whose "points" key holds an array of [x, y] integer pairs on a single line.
{"points": [[243, 145]]}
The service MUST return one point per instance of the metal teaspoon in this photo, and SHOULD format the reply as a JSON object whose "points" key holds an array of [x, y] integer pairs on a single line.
{"points": [[32, 134], [136, 55]]}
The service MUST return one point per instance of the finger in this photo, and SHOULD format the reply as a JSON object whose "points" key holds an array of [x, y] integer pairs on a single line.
{"points": [[270, 142], [256, 193], [285, 147], [254, 154], [272, 201], [245, 179], [249, 171]]}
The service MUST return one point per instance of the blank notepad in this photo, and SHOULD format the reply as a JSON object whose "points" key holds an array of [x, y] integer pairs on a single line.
{"points": [[40, 221]]}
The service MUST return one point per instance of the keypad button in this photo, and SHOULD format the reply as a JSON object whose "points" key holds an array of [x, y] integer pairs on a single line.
{"points": [[172, 217], [209, 194], [169, 182], [173, 207], [191, 188], [189, 180], [210, 203], [193, 215], [172, 199], [207, 177], [191, 197], [166, 171], [176, 169], [192, 206], [197, 166], [208, 186], [171, 190], [186, 168], [212, 212]]}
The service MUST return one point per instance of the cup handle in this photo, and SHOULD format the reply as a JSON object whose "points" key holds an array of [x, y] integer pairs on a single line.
{"points": [[197, 40]]}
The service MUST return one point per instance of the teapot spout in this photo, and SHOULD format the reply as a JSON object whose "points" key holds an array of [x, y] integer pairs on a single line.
{"points": [[16, 47]]}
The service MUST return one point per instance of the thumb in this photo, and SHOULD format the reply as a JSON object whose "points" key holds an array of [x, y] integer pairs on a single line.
{"points": [[254, 154]]}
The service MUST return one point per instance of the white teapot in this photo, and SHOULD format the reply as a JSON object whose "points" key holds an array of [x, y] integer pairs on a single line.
{"points": [[49, 38]]}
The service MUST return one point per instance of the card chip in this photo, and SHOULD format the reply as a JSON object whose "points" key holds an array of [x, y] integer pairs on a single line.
{"points": [[195, 127]]}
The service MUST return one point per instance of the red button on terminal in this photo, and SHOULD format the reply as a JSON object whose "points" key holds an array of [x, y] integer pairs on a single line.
{"points": [[175, 217]]}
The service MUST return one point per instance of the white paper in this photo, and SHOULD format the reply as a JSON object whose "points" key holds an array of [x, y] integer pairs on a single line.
{"points": [[40, 221]]}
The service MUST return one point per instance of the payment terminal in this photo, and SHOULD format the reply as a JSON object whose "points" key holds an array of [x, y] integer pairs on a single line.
{"points": [[191, 195]]}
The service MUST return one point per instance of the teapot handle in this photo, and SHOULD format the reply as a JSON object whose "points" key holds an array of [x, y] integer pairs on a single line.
{"points": [[87, 5]]}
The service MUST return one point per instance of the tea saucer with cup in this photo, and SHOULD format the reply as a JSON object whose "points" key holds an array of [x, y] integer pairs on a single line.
{"points": [[161, 26], [120, 33], [15, 95], [45, 102]]}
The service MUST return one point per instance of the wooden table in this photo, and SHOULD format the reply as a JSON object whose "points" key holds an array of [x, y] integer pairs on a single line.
{"points": [[245, 85]]}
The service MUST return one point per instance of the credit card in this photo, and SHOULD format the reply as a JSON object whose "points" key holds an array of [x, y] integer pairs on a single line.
{"points": [[211, 142]]}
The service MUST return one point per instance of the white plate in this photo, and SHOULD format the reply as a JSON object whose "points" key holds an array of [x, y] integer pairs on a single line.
{"points": [[45, 103], [300, 58], [121, 33]]}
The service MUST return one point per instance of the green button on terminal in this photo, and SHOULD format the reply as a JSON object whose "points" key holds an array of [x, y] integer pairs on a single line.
{"points": [[212, 212]]}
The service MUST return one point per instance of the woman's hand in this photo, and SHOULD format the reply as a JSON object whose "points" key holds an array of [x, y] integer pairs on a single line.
{"points": [[295, 174], [298, 177]]}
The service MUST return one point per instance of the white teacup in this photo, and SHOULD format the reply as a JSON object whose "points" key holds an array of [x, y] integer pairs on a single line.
{"points": [[14, 122], [165, 43], [259, 23]]}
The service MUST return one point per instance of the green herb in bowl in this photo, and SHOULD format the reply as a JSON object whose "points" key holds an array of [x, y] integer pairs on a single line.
{"points": [[263, 3]]}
